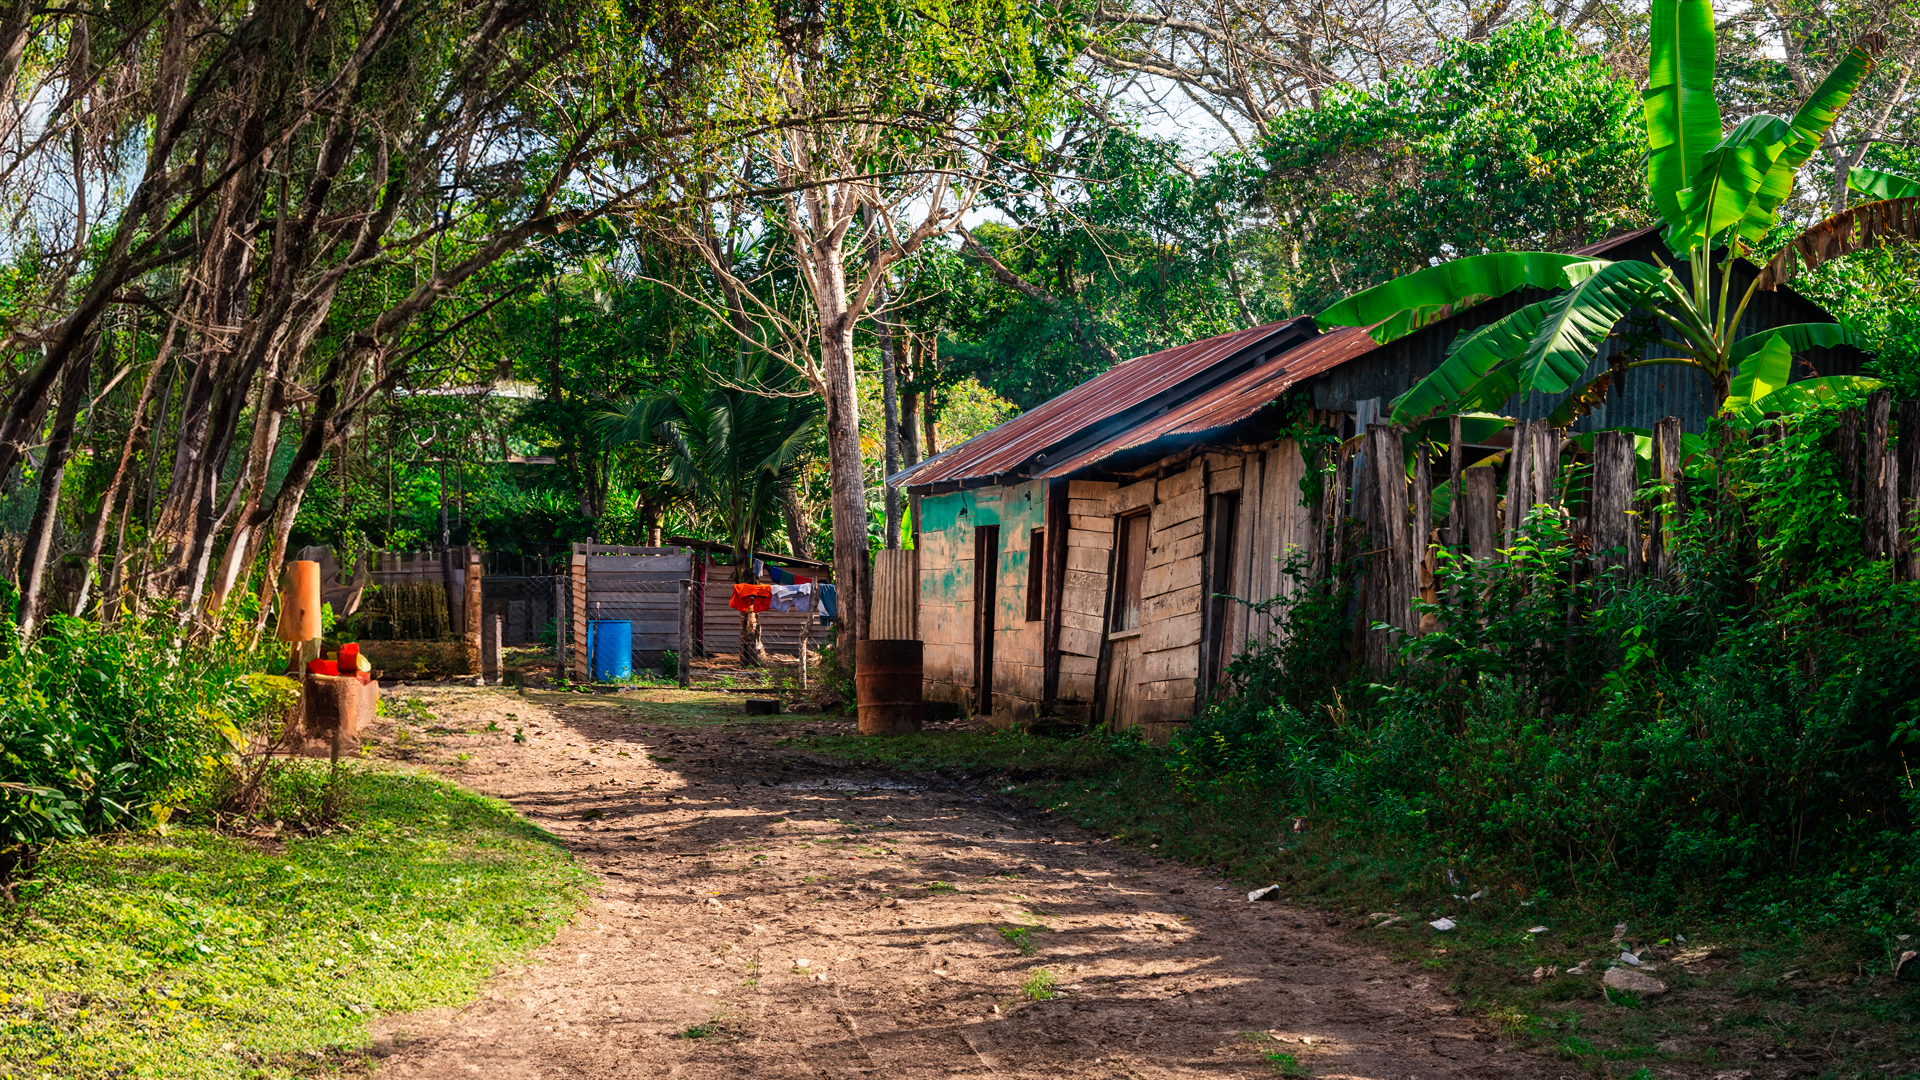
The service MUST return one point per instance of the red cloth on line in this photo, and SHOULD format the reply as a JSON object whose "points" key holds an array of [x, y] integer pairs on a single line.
{"points": [[751, 597]]}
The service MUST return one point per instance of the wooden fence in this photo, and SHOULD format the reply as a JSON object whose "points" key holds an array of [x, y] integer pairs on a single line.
{"points": [[1372, 499]]}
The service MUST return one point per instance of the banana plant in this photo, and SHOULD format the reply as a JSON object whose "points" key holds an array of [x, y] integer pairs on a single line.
{"points": [[1718, 193]]}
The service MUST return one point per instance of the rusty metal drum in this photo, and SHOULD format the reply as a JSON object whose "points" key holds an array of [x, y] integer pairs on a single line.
{"points": [[887, 684]]}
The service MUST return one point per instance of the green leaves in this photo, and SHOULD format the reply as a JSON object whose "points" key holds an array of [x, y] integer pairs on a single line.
{"points": [[1730, 179], [1765, 370], [1542, 347], [1762, 366], [1809, 125], [1683, 119], [1881, 185], [1802, 396], [1407, 303]]}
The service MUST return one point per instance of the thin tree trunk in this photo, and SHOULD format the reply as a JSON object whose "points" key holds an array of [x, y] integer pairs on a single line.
{"points": [[39, 543], [890, 420], [846, 471]]}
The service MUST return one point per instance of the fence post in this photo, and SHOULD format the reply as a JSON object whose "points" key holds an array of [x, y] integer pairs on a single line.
{"points": [[1666, 470], [686, 629], [1907, 512], [1456, 455], [1612, 519], [1848, 451], [491, 629], [1482, 510], [580, 661], [1421, 549], [1390, 562], [1879, 480], [1519, 484]]}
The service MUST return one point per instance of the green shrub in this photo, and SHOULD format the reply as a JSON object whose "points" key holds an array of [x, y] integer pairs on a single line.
{"points": [[105, 727], [1739, 735]]}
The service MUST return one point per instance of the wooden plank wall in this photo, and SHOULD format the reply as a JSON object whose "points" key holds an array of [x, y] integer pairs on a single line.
{"points": [[1083, 595]]}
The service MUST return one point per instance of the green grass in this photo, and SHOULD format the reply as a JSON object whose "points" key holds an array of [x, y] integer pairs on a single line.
{"points": [[1126, 791], [1020, 937], [1040, 985], [1285, 1064], [195, 955]]}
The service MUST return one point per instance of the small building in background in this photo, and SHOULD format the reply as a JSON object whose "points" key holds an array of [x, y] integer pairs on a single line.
{"points": [[1098, 558]]}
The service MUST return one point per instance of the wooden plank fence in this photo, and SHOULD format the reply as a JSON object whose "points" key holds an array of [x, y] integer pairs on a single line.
{"points": [[1381, 504]]}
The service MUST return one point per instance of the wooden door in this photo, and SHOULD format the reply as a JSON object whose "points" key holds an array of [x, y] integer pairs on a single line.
{"points": [[1123, 625], [986, 581]]}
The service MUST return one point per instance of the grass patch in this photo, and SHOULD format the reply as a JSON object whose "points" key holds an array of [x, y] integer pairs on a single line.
{"points": [[1284, 1064], [195, 954], [1039, 985], [1020, 937]]}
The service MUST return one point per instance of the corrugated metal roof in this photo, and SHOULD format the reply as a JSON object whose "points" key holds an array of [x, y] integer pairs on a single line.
{"points": [[1051, 423], [1231, 402], [1050, 426]]}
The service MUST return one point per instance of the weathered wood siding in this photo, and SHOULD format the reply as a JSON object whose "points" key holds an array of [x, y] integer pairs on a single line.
{"points": [[1151, 676]]}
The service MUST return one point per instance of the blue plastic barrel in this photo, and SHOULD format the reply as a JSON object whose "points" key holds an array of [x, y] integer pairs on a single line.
{"points": [[610, 644]]}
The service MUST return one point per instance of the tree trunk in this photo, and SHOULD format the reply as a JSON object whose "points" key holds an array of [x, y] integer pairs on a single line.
{"points": [[799, 544], [890, 418], [845, 469], [46, 512]]}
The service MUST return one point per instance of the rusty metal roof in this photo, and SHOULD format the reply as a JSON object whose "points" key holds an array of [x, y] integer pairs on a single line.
{"points": [[1024, 440], [1229, 403], [1102, 417]]}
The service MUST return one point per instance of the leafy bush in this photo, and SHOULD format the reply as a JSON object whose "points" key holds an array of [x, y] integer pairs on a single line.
{"points": [[104, 727], [1737, 736]]}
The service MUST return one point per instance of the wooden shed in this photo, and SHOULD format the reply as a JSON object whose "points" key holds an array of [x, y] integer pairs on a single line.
{"points": [[1089, 558]]}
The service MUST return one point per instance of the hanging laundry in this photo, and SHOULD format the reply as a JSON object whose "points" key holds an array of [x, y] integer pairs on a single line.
{"points": [[779, 575], [751, 597], [792, 597], [829, 603]]}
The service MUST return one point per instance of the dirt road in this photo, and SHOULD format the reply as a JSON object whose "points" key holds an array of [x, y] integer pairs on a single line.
{"points": [[765, 913]]}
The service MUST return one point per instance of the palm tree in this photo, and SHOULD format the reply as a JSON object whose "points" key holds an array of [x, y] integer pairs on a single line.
{"points": [[733, 436], [1717, 193]]}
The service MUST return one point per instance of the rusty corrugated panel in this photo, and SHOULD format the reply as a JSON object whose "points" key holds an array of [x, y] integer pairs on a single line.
{"points": [[1231, 402], [1015, 442]]}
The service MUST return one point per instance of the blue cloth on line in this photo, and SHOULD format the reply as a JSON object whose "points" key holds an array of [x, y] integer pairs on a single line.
{"points": [[829, 602], [780, 577]]}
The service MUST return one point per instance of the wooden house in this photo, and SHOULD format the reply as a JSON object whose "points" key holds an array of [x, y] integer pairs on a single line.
{"points": [[1088, 559]]}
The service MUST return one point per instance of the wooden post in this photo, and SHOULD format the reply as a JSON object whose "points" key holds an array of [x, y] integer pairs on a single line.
{"points": [[1456, 456], [1519, 486], [491, 630], [1666, 470], [1612, 520], [1390, 563], [560, 618], [1880, 483], [1482, 495], [686, 636], [1422, 546], [806, 628], [578, 616], [1907, 512], [1847, 449], [1337, 512], [470, 610]]}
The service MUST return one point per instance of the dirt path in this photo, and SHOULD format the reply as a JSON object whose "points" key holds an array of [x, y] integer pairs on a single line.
{"points": [[770, 914]]}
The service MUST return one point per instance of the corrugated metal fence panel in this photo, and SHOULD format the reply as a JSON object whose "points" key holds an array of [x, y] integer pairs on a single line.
{"points": [[895, 592]]}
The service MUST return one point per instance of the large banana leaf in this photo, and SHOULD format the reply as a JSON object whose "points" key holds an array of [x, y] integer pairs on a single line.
{"points": [[1475, 429], [1801, 336], [1579, 319], [1474, 354], [1810, 124], [1683, 119], [1730, 178], [1452, 284], [1881, 185], [1763, 371], [1798, 397]]}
